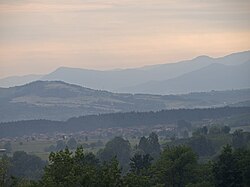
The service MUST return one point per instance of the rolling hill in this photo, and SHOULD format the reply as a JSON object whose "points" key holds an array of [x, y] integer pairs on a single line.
{"points": [[57, 100]]}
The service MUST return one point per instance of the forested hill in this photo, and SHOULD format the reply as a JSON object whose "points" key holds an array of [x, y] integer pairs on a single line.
{"points": [[56, 100], [130, 119]]}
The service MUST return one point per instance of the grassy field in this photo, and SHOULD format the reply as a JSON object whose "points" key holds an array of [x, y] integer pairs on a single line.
{"points": [[37, 147], [32, 147]]}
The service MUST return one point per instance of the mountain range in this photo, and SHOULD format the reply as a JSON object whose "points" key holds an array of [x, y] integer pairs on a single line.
{"points": [[212, 77], [200, 74], [57, 100]]}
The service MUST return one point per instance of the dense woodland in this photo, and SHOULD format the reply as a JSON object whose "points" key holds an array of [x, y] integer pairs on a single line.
{"points": [[177, 163], [213, 155], [130, 119]]}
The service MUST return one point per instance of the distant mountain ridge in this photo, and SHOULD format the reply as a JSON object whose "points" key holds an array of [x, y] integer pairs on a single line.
{"points": [[57, 100], [18, 80], [147, 79], [212, 77]]}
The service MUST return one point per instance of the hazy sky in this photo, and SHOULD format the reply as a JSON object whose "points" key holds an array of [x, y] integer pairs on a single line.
{"points": [[37, 36]]}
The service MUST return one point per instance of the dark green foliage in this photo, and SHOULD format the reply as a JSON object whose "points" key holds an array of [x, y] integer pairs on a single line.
{"points": [[238, 139], [204, 130], [110, 174], [176, 166], [200, 184], [25, 165], [140, 171], [154, 146], [60, 171], [140, 163], [227, 170], [134, 180], [143, 144], [63, 169], [4, 168], [203, 176], [201, 145], [72, 144], [243, 158], [150, 145], [119, 148], [214, 130], [80, 170], [20, 182], [225, 129]]}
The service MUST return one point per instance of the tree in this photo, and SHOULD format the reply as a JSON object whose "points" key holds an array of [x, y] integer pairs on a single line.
{"points": [[225, 129], [4, 168], [134, 180], [68, 169], [72, 144], [150, 145], [111, 174], [26, 166], [238, 139], [119, 148], [139, 174], [154, 145], [203, 176], [201, 145], [60, 145], [86, 168], [59, 172], [226, 169], [243, 158], [214, 130], [176, 166], [80, 169], [143, 144], [139, 163], [204, 130]]}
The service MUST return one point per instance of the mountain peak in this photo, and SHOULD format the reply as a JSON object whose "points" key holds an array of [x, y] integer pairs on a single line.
{"points": [[203, 57], [54, 84]]}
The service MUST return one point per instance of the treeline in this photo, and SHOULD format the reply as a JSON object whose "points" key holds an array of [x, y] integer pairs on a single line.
{"points": [[118, 166], [20, 166], [130, 119], [207, 142]]}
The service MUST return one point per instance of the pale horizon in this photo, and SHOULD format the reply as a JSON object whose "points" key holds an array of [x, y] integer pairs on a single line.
{"points": [[117, 68], [37, 37]]}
